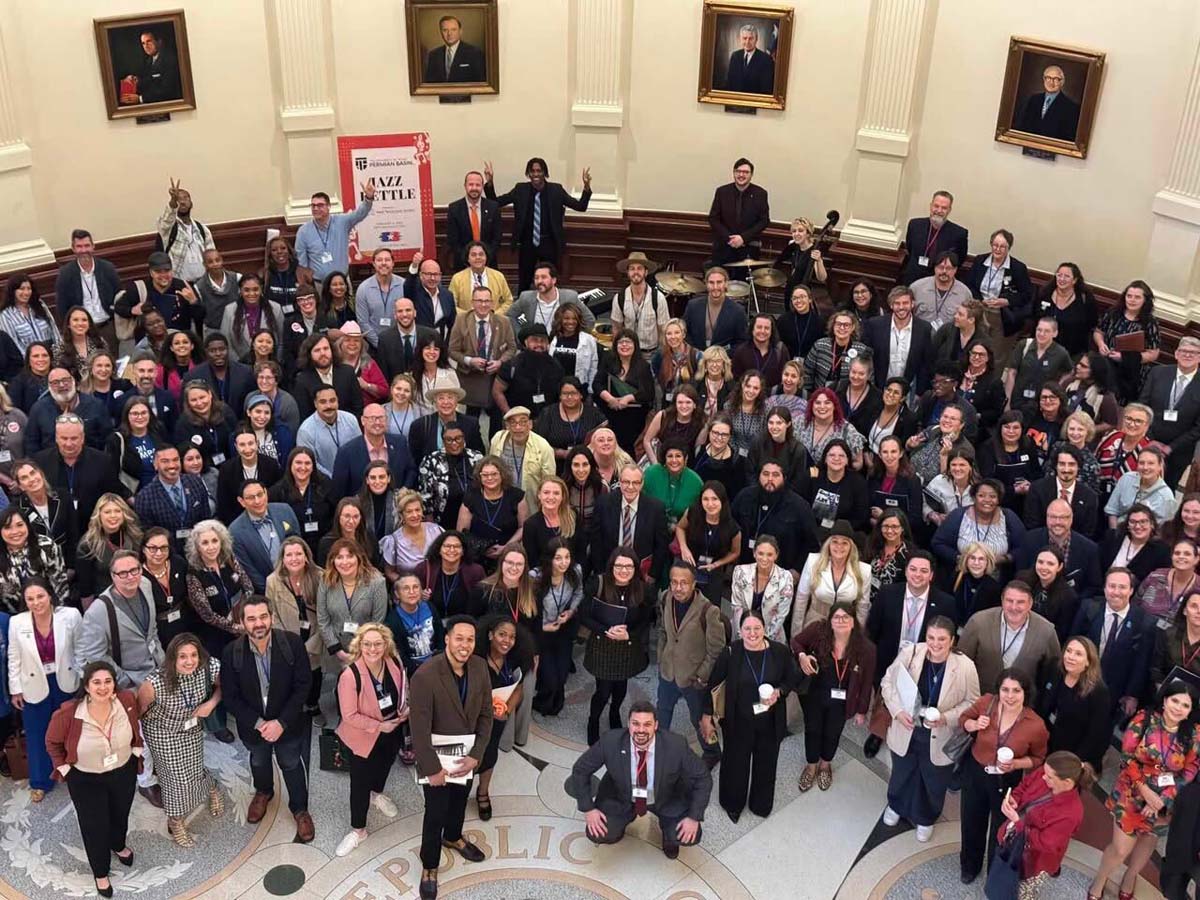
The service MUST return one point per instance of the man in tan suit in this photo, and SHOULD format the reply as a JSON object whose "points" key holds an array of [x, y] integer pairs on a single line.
{"points": [[1013, 636], [691, 639], [479, 343]]}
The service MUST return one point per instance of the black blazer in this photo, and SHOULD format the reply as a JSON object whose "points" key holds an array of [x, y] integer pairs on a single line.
{"points": [[458, 229], [729, 329], [345, 383], [1084, 504], [1154, 555], [918, 370], [885, 620], [758, 77], [95, 474], [1125, 663], [68, 285], [682, 783], [240, 383], [230, 480], [415, 291], [390, 352], [468, 65], [650, 538], [555, 202], [422, 435], [1016, 288], [1083, 560], [951, 236], [868, 409], [1061, 120], [1182, 434], [63, 527], [733, 660], [723, 215], [1078, 723], [290, 679]]}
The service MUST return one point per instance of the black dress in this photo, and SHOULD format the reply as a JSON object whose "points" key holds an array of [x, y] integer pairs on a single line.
{"points": [[492, 521], [172, 612], [563, 435], [314, 508], [1078, 723], [508, 674], [731, 472]]}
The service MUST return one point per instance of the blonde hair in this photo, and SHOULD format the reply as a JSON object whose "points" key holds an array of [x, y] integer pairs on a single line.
{"points": [[403, 498], [621, 459], [355, 648], [526, 597], [988, 552], [1088, 423], [807, 225], [312, 572], [566, 515], [823, 562], [94, 538], [6, 405], [85, 383], [716, 352]]}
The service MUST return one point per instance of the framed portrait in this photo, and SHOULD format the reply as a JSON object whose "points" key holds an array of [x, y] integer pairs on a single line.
{"points": [[453, 48], [744, 52], [145, 65], [1049, 98]]}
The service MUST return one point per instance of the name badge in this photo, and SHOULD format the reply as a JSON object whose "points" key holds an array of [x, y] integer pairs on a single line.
{"points": [[827, 523], [325, 257], [311, 527], [539, 398], [218, 459], [1053, 717], [109, 761], [49, 668], [350, 627], [306, 625], [992, 770], [1170, 415], [703, 560], [641, 793], [1029, 393], [936, 324], [190, 724], [922, 260], [75, 504], [385, 702], [750, 543], [1024, 457], [760, 708], [211, 591], [287, 309], [670, 397], [385, 323], [837, 693], [174, 615], [5, 456], [183, 534], [1166, 779], [1163, 624], [743, 451], [891, 501]]}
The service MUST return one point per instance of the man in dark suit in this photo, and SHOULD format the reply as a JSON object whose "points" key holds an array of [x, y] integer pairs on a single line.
{"points": [[908, 336], [1082, 569], [424, 435], [739, 213], [926, 238], [1173, 392], [90, 282], [538, 210], [76, 471], [1064, 485], [398, 343], [142, 370], [157, 79], [630, 518], [455, 60], [769, 507], [232, 474], [434, 304], [316, 363], [174, 500], [899, 614], [231, 381], [751, 71], [473, 218], [350, 464], [646, 770], [727, 317], [61, 397], [1123, 634], [259, 532], [1050, 112]]}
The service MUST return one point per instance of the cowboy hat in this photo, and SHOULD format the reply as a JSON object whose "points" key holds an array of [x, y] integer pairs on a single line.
{"points": [[637, 256], [442, 385]]}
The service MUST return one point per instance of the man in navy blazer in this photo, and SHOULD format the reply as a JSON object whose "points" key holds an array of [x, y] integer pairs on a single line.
{"points": [[62, 397], [877, 334], [350, 464], [258, 533], [232, 382], [458, 222], [1124, 635], [751, 70], [650, 540], [728, 322], [926, 238], [1050, 112], [1083, 556], [434, 303], [90, 282], [1176, 412]]}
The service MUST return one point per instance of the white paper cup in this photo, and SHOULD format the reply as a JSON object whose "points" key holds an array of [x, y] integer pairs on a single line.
{"points": [[932, 714], [1004, 755], [765, 691]]}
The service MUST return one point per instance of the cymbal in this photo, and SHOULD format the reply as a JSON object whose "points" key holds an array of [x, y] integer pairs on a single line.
{"points": [[680, 283], [769, 278], [749, 263], [736, 290]]}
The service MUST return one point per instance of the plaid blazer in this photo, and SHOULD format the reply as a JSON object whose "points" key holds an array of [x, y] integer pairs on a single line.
{"points": [[154, 506]]}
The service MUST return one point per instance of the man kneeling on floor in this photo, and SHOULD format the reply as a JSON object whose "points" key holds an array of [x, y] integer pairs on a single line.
{"points": [[646, 771]]}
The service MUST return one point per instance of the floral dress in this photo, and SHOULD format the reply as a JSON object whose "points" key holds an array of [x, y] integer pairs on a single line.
{"points": [[1131, 373], [1148, 752], [178, 750]]}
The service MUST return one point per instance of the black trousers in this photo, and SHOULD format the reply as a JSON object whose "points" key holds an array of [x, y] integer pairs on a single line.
{"points": [[553, 670], [824, 720], [982, 795], [529, 256], [1175, 885], [313, 700], [748, 767], [370, 773], [445, 809], [607, 692], [616, 823], [102, 802]]}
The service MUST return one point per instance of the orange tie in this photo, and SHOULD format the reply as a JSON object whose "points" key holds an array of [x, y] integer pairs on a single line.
{"points": [[474, 223]]}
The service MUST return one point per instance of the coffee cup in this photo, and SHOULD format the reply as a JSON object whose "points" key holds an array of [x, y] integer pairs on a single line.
{"points": [[932, 714], [765, 691], [1004, 755]]}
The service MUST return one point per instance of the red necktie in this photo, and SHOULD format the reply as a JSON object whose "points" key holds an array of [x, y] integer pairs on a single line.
{"points": [[639, 803]]}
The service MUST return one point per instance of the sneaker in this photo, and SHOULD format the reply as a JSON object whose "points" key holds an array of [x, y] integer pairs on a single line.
{"points": [[384, 804], [891, 818], [349, 842], [924, 833]]}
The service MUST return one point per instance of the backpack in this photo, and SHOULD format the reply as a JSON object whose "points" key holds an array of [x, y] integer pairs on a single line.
{"points": [[174, 233], [126, 328], [114, 634]]}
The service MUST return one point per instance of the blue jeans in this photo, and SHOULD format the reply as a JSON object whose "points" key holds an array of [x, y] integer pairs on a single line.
{"points": [[36, 718], [669, 694]]}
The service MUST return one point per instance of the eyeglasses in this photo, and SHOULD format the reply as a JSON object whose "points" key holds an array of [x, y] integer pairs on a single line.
{"points": [[453, 439], [127, 573], [624, 567], [372, 645], [60, 382], [156, 548]]}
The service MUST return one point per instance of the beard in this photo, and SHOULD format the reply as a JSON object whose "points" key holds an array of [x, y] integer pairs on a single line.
{"points": [[63, 397], [937, 221]]}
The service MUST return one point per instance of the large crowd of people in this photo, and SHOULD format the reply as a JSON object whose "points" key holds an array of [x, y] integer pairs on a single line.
{"points": [[220, 488]]}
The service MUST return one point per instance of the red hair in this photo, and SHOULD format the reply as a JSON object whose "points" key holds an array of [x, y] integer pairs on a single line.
{"points": [[838, 416]]}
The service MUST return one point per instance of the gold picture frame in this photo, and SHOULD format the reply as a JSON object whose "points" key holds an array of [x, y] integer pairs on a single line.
{"points": [[474, 66], [732, 74], [1064, 125], [145, 64]]}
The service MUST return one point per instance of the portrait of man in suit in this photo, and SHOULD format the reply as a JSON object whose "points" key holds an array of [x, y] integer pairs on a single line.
{"points": [[453, 48], [744, 55], [1049, 98], [144, 60], [751, 69], [455, 60], [1050, 112]]}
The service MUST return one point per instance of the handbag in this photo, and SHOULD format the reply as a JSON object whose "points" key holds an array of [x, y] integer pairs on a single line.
{"points": [[960, 743], [718, 701], [1004, 872], [335, 756]]}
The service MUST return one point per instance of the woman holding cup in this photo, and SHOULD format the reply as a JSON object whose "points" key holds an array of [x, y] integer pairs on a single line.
{"points": [[946, 685], [1010, 738]]}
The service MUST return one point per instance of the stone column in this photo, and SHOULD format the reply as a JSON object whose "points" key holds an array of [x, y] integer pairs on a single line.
{"points": [[598, 109], [1171, 259], [306, 113], [899, 35], [21, 243]]}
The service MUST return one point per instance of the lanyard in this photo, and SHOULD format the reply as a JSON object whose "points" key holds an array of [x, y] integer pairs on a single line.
{"points": [[1002, 736], [1187, 658], [933, 236], [931, 680], [576, 426], [460, 474], [70, 480], [400, 424], [840, 671], [1005, 647], [762, 670], [301, 604], [348, 595], [263, 661], [1164, 748], [223, 589], [764, 513], [801, 335], [982, 538], [518, 467], [490, 516], [448, 592], [335, 436], [910, 621], [324, 237], [558, 597], [306, 498]]}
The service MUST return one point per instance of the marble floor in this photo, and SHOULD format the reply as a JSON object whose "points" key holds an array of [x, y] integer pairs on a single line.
{"points": [[819, 846]]}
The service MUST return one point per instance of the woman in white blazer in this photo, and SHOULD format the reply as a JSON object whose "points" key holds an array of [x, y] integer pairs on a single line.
{"points": [[43, 671], [835, 575], [762, 585]]}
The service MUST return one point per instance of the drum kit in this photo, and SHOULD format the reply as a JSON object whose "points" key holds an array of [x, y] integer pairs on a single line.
{"points": [[758, 273]]}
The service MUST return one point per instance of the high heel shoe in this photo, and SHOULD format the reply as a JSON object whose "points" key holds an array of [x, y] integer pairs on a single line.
{"points": [[105, 892], [124, 860], [1124, 895], [216, 805], [177, 829]]}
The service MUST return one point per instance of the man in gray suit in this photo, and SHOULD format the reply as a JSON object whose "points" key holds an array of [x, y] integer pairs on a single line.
{"points": [[540, 305], [645, 771], [1013, 636], [119, 628]]}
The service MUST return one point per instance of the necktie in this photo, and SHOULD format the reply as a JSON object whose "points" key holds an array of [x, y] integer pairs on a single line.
{"points": [[747, 62], [537, 218], [180, 501], [627, 526], [911, 620], [481, 340], [479, 280], [639, 803], [1112, 633], [1046, 104], [266, 531], [408, 351], [449, 61], [1177, 391], [1064, 495], [474, 223]]}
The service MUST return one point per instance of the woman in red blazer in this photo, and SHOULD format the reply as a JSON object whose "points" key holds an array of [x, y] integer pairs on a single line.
{"points": [[1046, 807]]}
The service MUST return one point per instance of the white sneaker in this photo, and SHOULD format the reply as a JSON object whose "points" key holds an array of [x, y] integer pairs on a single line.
{"points": [[891, 818], [349, 842], [924, 833], [384, 804]]}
